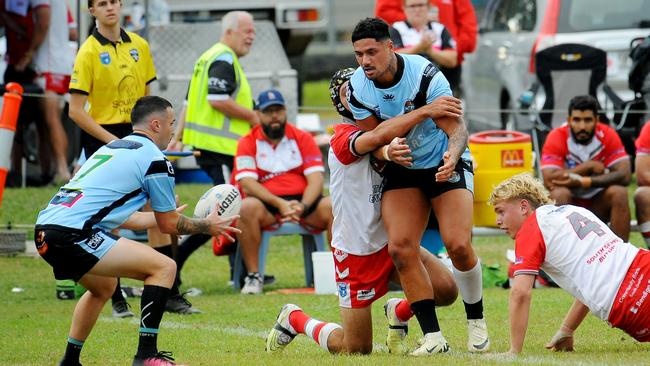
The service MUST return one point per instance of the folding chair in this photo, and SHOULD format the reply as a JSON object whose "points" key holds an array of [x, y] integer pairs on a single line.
{"points": [[563, 71], [630, 116], [311, 242]]}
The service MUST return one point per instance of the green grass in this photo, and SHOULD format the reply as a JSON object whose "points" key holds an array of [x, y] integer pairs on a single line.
{"points": [[231, 330]]}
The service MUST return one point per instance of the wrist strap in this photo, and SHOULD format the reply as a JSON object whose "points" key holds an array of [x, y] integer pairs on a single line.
{"points": [[384, 151]]}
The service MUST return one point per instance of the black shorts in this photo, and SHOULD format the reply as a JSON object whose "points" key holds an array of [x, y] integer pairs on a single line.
{"points": [[213, 164], [398, 177], [71, 252], [274, 210], [89, 144]]}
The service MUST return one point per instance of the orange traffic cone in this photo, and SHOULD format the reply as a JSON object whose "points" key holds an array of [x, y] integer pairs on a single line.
{"points": [[8, 118]]}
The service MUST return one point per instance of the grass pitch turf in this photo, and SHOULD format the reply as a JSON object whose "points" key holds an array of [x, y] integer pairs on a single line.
{"points": [[231, 330]]}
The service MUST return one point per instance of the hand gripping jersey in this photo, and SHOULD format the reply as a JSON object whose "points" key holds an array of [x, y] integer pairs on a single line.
{"points": [[561, 151], [355, 190], [417, 82], [113, 183], [578, 251]]}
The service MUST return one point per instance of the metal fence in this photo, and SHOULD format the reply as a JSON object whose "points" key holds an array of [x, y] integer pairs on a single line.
{"points": [[177, 46]]}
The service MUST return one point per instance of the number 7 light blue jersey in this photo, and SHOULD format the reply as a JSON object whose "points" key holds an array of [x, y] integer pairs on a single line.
{"points": [[114, 182], [427, 142]]}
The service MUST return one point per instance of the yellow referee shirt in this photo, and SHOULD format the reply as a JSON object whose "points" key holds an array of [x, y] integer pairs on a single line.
{"points": [[113, 75]]}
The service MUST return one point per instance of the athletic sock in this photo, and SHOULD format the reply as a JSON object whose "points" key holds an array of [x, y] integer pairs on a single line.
{"points": [[470, 284], [72, 352], [645, 231], [167, 251], [403, 311], [425, 312], [117, 294], [315, 329], [152, 308]]}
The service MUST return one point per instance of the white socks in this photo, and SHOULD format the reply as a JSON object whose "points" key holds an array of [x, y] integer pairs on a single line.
{"points": [[470, 283]]}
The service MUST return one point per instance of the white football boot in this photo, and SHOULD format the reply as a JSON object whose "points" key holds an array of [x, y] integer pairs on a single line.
{"points": [[478, 340], [397, 330], [431, 343], [282, 332]]}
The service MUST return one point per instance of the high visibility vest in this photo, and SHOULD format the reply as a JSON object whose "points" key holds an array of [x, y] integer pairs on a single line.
{"points": [[205, 127]]}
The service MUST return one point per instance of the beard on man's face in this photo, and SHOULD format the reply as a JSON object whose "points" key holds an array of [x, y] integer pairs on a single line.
{"points": [[273, 130], [582, 136]]}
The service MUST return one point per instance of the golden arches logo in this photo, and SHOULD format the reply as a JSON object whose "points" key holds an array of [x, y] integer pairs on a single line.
{"points": [[512, 158]]}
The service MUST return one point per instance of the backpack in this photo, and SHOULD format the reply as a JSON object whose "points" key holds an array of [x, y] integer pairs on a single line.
{"points": [[640, 55]]}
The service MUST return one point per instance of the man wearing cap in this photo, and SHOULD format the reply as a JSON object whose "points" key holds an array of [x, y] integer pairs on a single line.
{"points": [[280, 171]]}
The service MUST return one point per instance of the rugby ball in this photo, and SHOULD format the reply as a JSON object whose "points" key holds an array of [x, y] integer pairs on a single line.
{"points": [[225, 198]]}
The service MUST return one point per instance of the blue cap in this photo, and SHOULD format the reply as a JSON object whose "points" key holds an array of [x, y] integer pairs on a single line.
{"points": [[268, 98]]}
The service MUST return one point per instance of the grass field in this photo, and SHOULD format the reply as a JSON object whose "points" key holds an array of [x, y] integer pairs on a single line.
{"points": [[34, 325]]}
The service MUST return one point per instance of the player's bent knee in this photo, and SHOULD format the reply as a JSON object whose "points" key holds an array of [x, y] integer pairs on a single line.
{"points": [[165, 269], [446, 295], [104, 289], [359, 348], [459, 250], [402, 255]]}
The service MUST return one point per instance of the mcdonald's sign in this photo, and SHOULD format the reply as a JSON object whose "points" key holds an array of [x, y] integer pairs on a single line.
{"points": [[512, 158]]}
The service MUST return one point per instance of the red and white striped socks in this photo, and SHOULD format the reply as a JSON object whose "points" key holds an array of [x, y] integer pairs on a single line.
{"points": [[315, 329]]}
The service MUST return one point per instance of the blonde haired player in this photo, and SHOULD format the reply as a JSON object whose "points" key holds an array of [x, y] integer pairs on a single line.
{"points": [[605, 275]]}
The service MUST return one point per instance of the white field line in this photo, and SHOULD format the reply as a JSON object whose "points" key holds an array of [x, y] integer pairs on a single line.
{"points": [[240, 331]]}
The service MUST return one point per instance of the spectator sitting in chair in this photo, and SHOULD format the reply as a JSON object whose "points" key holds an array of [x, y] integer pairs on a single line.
{"points": [[280, 171], [584, 163]]}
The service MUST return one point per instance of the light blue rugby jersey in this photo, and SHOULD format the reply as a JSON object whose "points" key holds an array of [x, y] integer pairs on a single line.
{"points": [[427, 142], [114, 182]]}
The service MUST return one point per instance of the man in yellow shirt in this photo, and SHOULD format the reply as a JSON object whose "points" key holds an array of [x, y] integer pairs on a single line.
{"points": [[112, 70]]}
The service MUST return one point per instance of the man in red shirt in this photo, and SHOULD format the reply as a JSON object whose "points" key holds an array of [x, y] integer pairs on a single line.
{"points": [[584, 163], [457, 15], [280, 171], [642, 194]]}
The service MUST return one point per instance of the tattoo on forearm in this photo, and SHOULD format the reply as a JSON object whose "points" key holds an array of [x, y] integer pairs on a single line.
{"points": [[188, 225], [458, 141]]}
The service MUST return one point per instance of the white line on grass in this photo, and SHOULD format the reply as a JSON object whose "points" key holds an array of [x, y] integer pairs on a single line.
{"points": [[241, 331], [176, 325]]}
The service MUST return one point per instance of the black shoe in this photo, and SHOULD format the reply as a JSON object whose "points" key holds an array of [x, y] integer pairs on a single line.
{"points": [[178, 304], [269, 279], [161, 358], [64, 363], [121, 310]]}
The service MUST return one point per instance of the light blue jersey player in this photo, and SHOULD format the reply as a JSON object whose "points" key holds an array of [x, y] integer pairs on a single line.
{"points": [[73, 234], [440, 180], [116, 181], [418, 83]]}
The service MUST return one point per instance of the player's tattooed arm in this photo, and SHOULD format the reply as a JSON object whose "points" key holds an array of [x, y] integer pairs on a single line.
{"points": [[186, 225], [458, 137]]}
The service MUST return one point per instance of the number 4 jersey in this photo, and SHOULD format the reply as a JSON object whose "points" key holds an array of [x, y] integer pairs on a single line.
{"points": [[580, 253], [114, 182]]}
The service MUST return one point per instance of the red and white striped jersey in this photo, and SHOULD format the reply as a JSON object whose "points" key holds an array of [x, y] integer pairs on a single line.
{"points": [[578, 251], [279, 168], [561, 151], [355, 190]]}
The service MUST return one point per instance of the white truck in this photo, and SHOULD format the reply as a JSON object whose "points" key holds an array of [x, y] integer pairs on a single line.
{"points": [[296, 21]]}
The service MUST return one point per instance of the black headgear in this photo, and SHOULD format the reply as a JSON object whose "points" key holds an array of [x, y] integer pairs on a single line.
{"points": [[338, 79]]}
